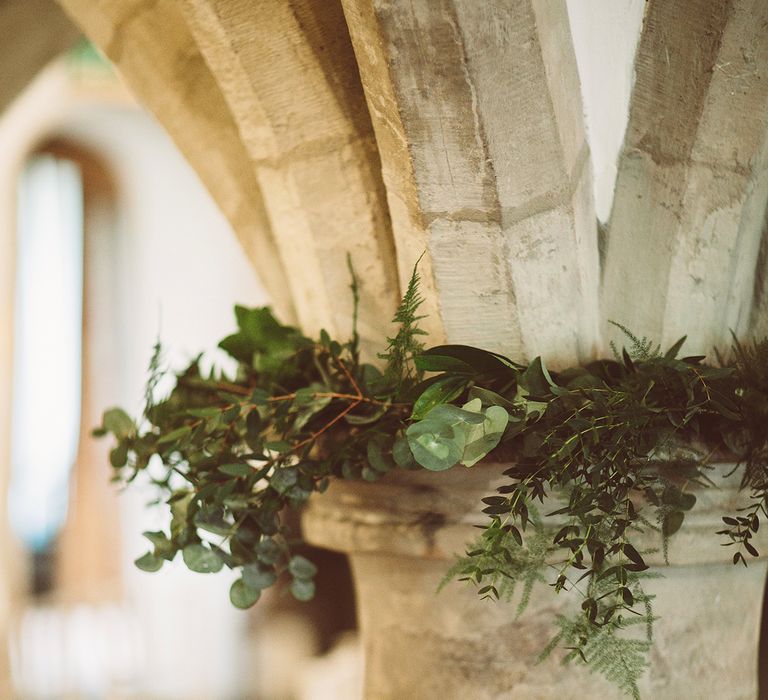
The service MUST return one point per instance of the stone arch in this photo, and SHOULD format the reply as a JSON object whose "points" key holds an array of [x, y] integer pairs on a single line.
{"points": [[150, 42], [32, 33], [288, 73]]}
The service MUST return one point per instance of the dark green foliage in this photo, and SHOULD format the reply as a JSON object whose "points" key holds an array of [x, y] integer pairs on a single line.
{"points": [[498, 564], [750, 443], [616, 445]]}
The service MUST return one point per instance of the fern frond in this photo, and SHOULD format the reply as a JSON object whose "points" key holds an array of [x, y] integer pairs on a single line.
{"points": [[608, 650], [402, 348], [640, 348], [156, 373], [751, 361], [611, 649], [496, 562]]}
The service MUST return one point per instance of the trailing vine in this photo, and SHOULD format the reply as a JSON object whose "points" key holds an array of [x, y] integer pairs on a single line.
{"points": [[619, 442]]}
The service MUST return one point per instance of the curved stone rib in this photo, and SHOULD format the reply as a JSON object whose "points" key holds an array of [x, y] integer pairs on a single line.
{"points": [[693, 176], [32, 33], [477, 114], [150, 43], [288, 72]]}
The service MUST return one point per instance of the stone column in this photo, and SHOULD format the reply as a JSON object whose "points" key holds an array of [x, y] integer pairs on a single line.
{"points": [[401, 535], [477, 113], [692, 186]]}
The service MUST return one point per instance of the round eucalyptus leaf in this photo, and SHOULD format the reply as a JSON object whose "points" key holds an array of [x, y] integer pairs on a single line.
{"points": [[268, 551], [283, 479], [434, 445], [199, 558], [302, 568], [242, 595], [302, 589], [258, 576], [402, 454], [149, 562]]}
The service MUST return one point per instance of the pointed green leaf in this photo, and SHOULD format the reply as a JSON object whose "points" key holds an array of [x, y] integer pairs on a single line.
{"points": [[240, 469], [444, 390]]}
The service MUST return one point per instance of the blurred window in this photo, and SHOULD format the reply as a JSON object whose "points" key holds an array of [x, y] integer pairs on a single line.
{"points": [[47, 351]]}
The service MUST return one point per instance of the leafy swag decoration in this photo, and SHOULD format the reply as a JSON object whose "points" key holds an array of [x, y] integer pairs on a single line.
{"points": [[617, 444]]}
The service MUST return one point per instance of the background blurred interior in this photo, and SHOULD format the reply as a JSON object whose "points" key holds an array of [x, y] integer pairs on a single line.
{"points": [[116, 243]]}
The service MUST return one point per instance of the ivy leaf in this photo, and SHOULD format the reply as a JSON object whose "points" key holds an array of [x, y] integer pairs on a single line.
{"points": [[367, 419], [441, 363], [262, 342], [311, 408]]}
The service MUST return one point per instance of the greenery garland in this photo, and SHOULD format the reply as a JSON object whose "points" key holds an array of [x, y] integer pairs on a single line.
{"points": [[623, 439]]}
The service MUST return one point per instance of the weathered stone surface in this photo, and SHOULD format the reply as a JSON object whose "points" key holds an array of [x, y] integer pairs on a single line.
{"points": [[401, 534], [477, 114], [151, 44], [288, 73], [32, 33], [693, 177]]}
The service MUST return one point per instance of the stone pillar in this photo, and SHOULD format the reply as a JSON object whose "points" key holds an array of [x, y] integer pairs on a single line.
{"points": [[478, 117], [401, 535], [692, 186]]}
